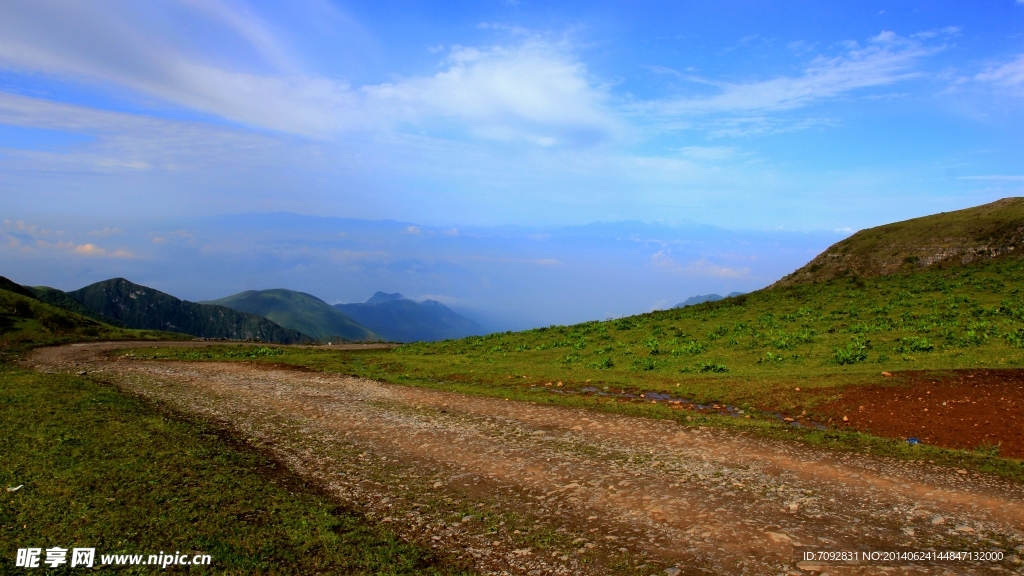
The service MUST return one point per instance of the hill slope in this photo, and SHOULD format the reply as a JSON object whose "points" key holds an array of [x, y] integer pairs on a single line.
{"points": [[299, 311], [61, 299], [401, 320], [24, 319], [145, 308], [14, 287], [936, 241]]}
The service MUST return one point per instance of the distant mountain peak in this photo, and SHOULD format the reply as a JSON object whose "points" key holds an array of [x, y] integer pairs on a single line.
{"points": [[399, 319], [381, 297], [299, 311], [694, 300]]}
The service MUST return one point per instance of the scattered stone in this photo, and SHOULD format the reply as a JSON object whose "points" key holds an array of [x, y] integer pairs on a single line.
{"points": [[936, 520], [672, 571]]}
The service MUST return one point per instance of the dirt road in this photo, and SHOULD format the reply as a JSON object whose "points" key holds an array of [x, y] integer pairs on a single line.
{"points": [[529, 489]]}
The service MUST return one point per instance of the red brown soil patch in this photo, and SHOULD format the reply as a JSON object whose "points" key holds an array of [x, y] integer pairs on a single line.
{"points": [[954, 409]]}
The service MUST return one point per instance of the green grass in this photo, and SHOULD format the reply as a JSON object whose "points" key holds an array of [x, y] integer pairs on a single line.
{"points": [[751, 352], [102, 469]]}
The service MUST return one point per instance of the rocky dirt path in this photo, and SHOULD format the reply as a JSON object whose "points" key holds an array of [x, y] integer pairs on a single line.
{"points": [[521, 488]]}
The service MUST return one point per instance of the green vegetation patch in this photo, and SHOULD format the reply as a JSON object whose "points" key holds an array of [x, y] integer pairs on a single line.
{"points": [[98, 468]]}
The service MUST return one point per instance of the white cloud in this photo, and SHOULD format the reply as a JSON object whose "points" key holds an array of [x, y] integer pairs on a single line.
{"points": [[701, 267], [534, 90], [1009, 74], [885, 60]]}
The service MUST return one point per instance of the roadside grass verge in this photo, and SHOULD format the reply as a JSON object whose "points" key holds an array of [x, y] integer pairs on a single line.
{"points": [[99, 468]]}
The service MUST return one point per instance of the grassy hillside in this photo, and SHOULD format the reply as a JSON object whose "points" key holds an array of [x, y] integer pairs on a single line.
{"points": [[11, 286], [145, 308], [738, 349], [26, 321], [937, 241], [61, 299], [299, 311], [398, 319]]}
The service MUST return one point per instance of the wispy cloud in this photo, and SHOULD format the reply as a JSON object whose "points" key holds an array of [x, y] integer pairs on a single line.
{"points": [[708, 152], [31, 238], [885, 60], [701, 267], [1008, 74], [90, 249], [532, 89], [995, 177]]}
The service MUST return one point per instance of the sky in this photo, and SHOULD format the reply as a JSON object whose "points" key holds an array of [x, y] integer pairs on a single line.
{"points": [[120, 121]]}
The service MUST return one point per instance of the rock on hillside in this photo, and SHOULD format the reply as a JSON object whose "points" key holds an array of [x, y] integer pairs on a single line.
{"points": [[937, 241]]}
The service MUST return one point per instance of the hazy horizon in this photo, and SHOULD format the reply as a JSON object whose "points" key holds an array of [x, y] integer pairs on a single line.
{"points": [[508, 277], [145, 131]]}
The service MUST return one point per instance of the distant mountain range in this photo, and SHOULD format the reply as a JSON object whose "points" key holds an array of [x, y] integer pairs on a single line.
{"points": [[140, 307], [279, 315], [692, 300], [399, 319], [299, 311]]}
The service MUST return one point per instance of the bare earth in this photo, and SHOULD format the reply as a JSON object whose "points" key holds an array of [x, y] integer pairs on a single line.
{"points": [[519, 488]]}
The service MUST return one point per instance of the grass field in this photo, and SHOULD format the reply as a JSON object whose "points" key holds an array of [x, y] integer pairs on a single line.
{"points": [[101, 469]]}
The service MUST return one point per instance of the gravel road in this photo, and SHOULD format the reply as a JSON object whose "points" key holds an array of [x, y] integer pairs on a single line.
{"points": [[520, 488]]}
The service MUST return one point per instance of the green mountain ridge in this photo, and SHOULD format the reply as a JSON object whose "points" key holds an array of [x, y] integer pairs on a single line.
{"points": [[140, 307], [26, 320], [940, 240], [299, 311], [62, 299], [399, 319]]}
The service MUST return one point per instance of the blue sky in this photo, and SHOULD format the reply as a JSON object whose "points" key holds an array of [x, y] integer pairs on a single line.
{"points": [[793, 116]]}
